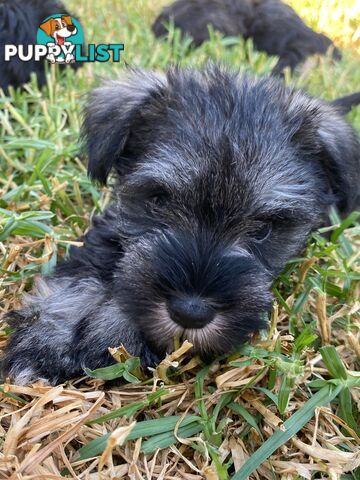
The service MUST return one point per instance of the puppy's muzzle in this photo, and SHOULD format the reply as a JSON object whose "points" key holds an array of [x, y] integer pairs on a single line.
{"points": [[196, 285], [190, 312]]}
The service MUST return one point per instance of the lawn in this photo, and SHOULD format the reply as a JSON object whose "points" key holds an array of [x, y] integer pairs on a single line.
{"points": [[284, 407]]}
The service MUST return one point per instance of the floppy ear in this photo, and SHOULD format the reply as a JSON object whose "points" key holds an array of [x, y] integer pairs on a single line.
{"points": [[110, 116], [67, 19], [341, 159], [324, 135], [47, 27]]}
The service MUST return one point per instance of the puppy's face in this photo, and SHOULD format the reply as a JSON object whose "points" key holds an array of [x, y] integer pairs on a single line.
{"points": [[59, 28], [221, 179]]}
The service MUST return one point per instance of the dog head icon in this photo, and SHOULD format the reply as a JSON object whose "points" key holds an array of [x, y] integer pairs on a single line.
{"points": [[59, 28]]}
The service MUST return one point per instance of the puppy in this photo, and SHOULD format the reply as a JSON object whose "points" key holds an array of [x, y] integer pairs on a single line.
{"points": [[19, 22], [60, 29], [274, 27], [221, 178]]}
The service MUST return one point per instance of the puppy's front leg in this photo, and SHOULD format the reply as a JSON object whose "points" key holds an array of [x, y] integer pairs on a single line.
{"points": [[51, 56], [69, 57], [74, 316], [68, 325]]}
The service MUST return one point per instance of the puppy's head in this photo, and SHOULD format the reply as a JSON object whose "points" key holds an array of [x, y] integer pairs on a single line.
{"points": [[59, 28], [221, 178]]}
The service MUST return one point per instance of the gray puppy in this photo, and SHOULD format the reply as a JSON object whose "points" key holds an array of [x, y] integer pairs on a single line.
{"points": [[274, 27], [220, 179]]}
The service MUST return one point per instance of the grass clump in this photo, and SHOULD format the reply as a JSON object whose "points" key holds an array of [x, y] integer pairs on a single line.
{"points": [[285, 406]]}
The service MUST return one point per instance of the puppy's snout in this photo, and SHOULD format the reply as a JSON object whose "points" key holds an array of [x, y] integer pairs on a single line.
{"points": [[71, 28], [190, 312]]}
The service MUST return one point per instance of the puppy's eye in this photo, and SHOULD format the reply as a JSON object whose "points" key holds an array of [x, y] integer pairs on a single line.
{"points": [[159, 198], [263, 232], [64, 24]]}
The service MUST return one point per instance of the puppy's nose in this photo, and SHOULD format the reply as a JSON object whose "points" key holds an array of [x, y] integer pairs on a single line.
{"points": [[71, 28], [190, 312]]}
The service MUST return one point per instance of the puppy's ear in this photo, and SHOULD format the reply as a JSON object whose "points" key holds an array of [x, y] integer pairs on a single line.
{"points": [[324, 135], [110, 116], [47, 26], [67, 19]]}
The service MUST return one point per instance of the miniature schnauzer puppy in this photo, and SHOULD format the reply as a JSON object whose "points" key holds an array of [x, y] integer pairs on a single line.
{"points": [[220, 179], [274, 27], [19, 22]]}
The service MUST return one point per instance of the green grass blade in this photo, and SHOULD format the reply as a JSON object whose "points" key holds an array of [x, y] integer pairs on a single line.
{"points": [[107, 373], [199, 391], [346, 410], [250, 419], [286, 387], [164, 440], [129, 410], [93, 448], [291, 427], [333, 363], [346, 223], [13, 395], [142, 429]]}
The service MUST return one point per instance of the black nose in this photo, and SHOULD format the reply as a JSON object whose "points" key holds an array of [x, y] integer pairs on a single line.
{"points": [[71, 28], [190, 312]]}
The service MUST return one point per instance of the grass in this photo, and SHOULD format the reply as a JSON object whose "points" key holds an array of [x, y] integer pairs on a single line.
{"points": [[285, 406]]}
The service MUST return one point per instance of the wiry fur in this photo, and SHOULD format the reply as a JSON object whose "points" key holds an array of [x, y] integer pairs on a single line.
{"points": [[19, 22], [274, 27], [220, 179]]}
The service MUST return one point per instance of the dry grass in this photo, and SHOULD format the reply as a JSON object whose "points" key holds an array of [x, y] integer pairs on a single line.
{"points": [[238, 402], [46, 426], [292, 396]]}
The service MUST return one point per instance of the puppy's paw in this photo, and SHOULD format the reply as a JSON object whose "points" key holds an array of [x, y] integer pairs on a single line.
{"points": [[69, 58], [51, 58], [23, 362], [33, 352], [20, 372]]}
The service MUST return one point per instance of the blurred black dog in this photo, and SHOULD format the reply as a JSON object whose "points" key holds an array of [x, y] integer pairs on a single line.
{"points": [[274, 27], [220, 179], [19, 22]]}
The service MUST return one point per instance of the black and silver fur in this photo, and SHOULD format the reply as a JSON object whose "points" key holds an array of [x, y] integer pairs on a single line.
{"points": [[220, 179], [19, 22], [274, 27]]}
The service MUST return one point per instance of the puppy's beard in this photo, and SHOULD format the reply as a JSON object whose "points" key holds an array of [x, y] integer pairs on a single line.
{"points": [[203, 339], [165, 329], [206, 337]]}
